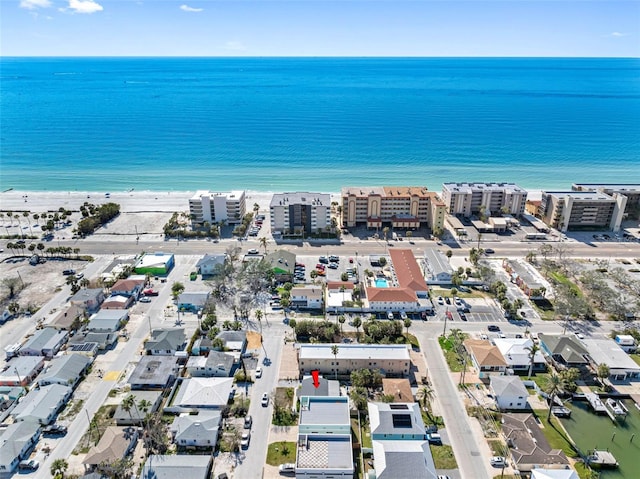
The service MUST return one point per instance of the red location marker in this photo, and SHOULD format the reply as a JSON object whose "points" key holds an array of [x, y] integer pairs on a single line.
{"points": [[316, 380]]}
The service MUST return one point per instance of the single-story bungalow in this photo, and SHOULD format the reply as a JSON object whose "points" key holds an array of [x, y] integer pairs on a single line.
{"points": [[154, 372], [437, 268], [156, 264], [136, 414], [43, 404], [177, 465], [21, 371], [66, 370], [210, 264], [216, 364], [192, 394], [44, 342], [16, 443], [509, 392], [486, 358], [194, 301], [607, 351], [128, 287], [116, 443], [117, 301], [564, 348], [89, 342], [68, 319], [196, 430], [108, 320], [517, 353]]}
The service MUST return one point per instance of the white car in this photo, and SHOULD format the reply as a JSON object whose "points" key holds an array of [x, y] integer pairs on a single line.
{"points": [[498, 461], [253, 251], [246, 439], [258, 372], [288, 468], [265, 400], [440, 300]]}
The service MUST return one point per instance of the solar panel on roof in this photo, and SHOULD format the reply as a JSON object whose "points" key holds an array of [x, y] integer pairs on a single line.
{"points": [[401, 420]]}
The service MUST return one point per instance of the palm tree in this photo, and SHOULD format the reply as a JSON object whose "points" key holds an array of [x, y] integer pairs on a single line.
{"points": [[264, 242], [533, 349], [259, 318], [357, 322], [26, 215], [59, 467], [341, 320], [334, 350], [409, 234], [129, 403], [385, 232], [407, 324], [425, 396], [554, 386]]}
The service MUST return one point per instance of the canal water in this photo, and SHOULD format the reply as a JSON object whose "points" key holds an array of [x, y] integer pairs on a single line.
{"points": [[622, 438]]}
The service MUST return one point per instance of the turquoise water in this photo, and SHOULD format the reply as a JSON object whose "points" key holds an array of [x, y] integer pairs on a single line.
{"points": [[590, 431], [381, 283], [276, 124]]}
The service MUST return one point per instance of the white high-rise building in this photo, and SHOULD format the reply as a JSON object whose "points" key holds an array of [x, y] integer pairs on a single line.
{"points": [[468, 199], [206, 206], [300, 212]]}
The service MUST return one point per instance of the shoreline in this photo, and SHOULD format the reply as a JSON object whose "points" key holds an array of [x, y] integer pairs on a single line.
{"points": [[133, 201]]}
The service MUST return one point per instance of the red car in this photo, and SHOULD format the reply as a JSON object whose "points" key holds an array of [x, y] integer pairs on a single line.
{"points": [[350, 260], [150, 292], [320, 266]]}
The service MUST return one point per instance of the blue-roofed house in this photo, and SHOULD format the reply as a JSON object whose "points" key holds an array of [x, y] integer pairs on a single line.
{"points": [[16, 443], [88, 299], [193, 302], [43, 404], [44, 342], [196, 430], [66, 370]]}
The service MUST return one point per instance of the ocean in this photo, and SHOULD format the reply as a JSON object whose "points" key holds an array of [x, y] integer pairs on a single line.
{"points": [[286, 124]]}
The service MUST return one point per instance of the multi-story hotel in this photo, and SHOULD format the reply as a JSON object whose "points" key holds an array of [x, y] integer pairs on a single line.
{"points": [[216, 207], [467, 199], [567, 210], [630, 191], [300, 213], [403, 207]]}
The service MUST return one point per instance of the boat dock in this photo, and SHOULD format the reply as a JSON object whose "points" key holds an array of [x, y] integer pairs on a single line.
{"points": [[602, 459], [561, 411], [598, 406]]}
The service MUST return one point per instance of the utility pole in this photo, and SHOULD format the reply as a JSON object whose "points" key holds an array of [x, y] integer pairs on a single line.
{"points": [[444, 331]]}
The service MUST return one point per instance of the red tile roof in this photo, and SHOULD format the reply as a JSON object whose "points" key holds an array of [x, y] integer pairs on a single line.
{"points": [[407, 270], [391, 295]]}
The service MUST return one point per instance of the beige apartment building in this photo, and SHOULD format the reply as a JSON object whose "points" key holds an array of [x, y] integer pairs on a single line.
{"points": [[565, 210], [630, 191], [401, 207], [209, 207], [300, 213], [468, 199]]}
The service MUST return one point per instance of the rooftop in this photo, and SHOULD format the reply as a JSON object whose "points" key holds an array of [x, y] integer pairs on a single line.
{"points": [[324, 410], [203, 392], [407, 270], [403, 459], [329, 451], [607, 351], [580, 195], [152, 370], [486, 354], [300, 198], [437, 262], [177, 465], [470, 187], [355, 351]]}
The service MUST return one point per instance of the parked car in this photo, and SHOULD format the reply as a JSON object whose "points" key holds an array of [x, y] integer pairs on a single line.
{"points": [[389, 315], [265, 400], [493, 328], [440, 300], [403, 315], [447, 300], [333, 265], [489, 251], [248, 422], [145, 299], [28, 465], [246, 439], [150, 292], [498, 461], [54, 430], [258, 372], [252, 251], [463, 316], [434, 438], [323, 259], [69, 272], [288, 468]]}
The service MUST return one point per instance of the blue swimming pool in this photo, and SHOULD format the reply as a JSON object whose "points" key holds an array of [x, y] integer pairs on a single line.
{"points": [[381, 283]]}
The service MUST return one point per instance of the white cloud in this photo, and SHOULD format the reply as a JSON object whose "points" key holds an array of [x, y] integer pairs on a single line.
{"points": [[616, 34], [235, 46], [187, 8], [83, 6], [33, 4]]}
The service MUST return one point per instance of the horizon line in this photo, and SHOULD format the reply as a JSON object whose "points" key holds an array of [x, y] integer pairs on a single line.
{"points": [[328, 57]]}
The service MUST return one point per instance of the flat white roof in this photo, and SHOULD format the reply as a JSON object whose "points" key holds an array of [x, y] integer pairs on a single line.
{"points": [[606, 351], [355, 351], [153, 259]]}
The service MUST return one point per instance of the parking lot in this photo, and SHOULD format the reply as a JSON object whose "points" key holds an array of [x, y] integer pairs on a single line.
{"points": [[480, 310]]}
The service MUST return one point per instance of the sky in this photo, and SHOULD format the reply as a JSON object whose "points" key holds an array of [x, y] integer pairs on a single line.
{"points": [[449, 28]]}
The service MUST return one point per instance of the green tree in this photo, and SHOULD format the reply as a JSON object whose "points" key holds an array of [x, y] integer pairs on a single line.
{"points": [[176, 289], [264, 242], [259, 316], [425, 397], [341, 320], [554, 386], [335, 350], [407, 324], [357, 322], [58, 468], [533, 349], [449, 253], [385, 233], [603, 372]]}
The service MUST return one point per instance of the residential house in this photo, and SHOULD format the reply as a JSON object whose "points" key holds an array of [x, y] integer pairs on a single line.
{"points": [[68, 319], [607, 351], [88, 299], [553, 473], [89, 342], [626, 342], [21, 371], [154, 372], [165, 342], [437, 268], [400, 389], [565, 349], [528, 446], [338, 294], [210, 264], [485, 357], [509, 392], [9, 395], [391, 359], [325, 387], [118, 301], [300, 213], [400, 207], [324, 447], [177, 465], [517, 353], [155, 264], [16, 443], [201, 346], [128, 287], [108, 320], [234, 341], [527, 279], [282, 264], [400, 445], [216, 364], [42, 404], [193, 394], [193, 302], [196, 430], [116, 443], [66, 370], [307, 297], [136, 415], [44, 342]]}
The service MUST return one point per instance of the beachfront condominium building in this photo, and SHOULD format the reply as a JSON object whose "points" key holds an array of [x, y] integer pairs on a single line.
{"points": [[630, 191], [401, 207], [469, 199], [209, 207], [300, 213], [565, 210]]}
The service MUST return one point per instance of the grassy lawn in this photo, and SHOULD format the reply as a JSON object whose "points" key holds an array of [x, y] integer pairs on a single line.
{"points": [[453, 360], [443, 457], [281, 452], [541, 379], [498, 448], [444, 292], [635, 357], [555, 434], [562, 279], [411, 339]]}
